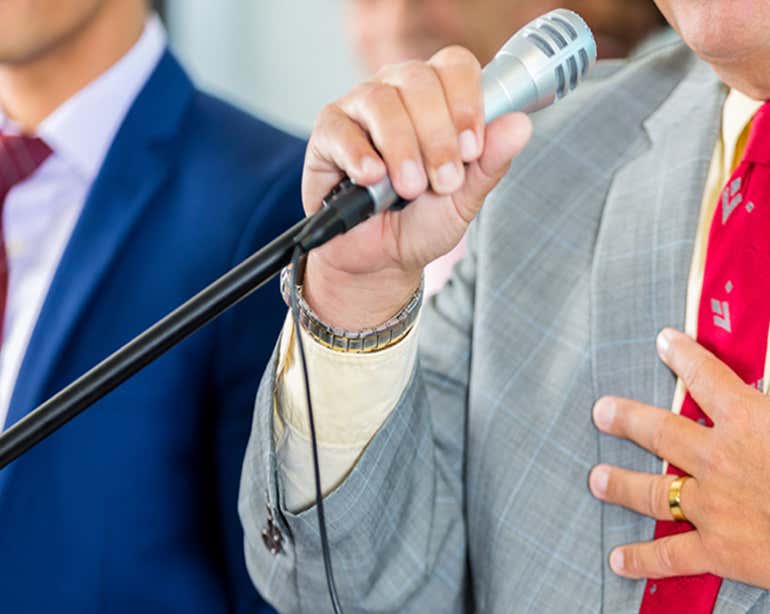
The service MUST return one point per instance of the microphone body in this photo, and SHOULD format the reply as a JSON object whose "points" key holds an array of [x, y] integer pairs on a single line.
{"points": [[539, 65]]}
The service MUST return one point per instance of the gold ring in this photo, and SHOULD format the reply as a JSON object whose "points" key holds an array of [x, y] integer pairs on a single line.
{"points": [[675, 498]]}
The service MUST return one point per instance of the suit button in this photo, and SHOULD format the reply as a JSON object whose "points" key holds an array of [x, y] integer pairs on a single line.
{"points": [[271, 535]]}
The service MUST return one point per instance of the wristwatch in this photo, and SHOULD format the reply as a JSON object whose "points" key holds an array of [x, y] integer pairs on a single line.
{"points": [[360, 342]]}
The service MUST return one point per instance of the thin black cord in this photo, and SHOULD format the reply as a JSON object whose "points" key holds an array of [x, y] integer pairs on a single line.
{"points": [[295, 262]]}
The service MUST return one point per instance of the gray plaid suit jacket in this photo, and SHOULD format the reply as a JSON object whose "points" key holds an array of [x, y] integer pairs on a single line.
{"points": [[473, 496]]}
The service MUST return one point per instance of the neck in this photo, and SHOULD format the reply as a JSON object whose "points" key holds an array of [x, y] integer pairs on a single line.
{"points": [[32, 90], [751, 79]]}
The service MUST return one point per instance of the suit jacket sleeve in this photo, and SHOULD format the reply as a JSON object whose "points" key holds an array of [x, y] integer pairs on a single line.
{"points": [[396, 524]]}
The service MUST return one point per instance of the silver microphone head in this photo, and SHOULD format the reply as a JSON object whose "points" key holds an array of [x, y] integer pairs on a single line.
{"points": [[540, 64]]}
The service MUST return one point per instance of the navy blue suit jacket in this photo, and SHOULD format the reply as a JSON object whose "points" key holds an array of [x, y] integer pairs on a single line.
{"points": [[132, 507]]}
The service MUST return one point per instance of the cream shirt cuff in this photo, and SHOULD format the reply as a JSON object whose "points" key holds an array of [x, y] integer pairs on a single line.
{"points": [[352, 395]]}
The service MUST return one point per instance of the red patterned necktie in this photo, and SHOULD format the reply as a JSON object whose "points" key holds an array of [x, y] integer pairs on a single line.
{"points": [[733, 320], [20, 156]]}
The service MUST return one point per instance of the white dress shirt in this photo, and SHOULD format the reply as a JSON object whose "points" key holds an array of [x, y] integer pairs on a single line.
{"points": [[40, 213]]}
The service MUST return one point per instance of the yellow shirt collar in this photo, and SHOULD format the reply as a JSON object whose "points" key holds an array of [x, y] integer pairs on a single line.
{"points": [[737, 113]]}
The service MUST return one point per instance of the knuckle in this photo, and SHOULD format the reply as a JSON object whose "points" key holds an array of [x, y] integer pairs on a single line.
{"points": [[387, 72], [712, 541], [337, 122], [665, 555], [716, 544], [375, 94], [314, 152], [329, 115], [719, 463], [657, 495], [329, 130], [355, 93], [707, 507], [332, 134], [692, 506], [740, 410], [415, 72], [694, 372], [660, 435], [407, 75], [706, 497], [383, 72], [456, 55]]}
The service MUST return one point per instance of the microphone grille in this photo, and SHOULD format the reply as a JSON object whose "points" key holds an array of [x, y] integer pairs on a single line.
{"points": [[564, 37], [540, 64]]}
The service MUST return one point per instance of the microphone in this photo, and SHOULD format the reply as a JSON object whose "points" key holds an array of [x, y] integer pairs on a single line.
{"points": [[539, 65]]}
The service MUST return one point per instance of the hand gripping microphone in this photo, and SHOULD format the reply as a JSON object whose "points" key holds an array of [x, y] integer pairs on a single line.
{"points": [[539, 65]]}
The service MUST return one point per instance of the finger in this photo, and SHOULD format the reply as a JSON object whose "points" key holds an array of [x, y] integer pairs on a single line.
{"points": [[381, 112], [423, 96], [643, 493], [712, 384], [460, 74], [678, 555], [338, 147], [505, 138], [669, 436]]}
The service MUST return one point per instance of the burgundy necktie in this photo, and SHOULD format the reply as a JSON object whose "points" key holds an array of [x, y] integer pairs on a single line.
{"points": [[20, 156], [733, 320]]}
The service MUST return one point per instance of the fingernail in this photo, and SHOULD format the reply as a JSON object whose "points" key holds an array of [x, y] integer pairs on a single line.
{"points": [[412, 177], [604, 413], [616, 560], [664, 343], [598, 480], [469, 145], [371, 167], [448, 178]]}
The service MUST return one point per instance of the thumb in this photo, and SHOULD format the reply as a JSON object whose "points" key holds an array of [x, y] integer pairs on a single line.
{"points": [[505, 138]]}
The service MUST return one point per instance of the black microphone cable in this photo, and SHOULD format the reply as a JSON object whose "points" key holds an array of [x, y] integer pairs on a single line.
{"points": [[299, 252]]}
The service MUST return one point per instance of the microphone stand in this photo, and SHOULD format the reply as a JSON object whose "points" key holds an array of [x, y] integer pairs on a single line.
{"points": [[211, 302], [344, 207]]}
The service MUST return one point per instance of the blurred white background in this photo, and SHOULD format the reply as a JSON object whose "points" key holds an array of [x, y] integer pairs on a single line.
{"points": [[281, 59]]}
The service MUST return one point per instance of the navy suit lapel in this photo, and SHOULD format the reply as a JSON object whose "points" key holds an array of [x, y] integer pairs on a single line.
{"points": [[641, 270], [135, 167]]}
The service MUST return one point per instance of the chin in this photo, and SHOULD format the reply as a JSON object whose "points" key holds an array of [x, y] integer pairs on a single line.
{"points": [[12, 54], [20, 52], [722, 32]]}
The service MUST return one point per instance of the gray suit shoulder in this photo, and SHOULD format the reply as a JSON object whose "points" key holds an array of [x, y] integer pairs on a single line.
{"points": [[580, 143], [640, 85], [587, 134]]}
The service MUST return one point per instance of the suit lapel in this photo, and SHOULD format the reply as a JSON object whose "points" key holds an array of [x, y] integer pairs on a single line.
{"points": [[640, 278], [132, 172]]}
